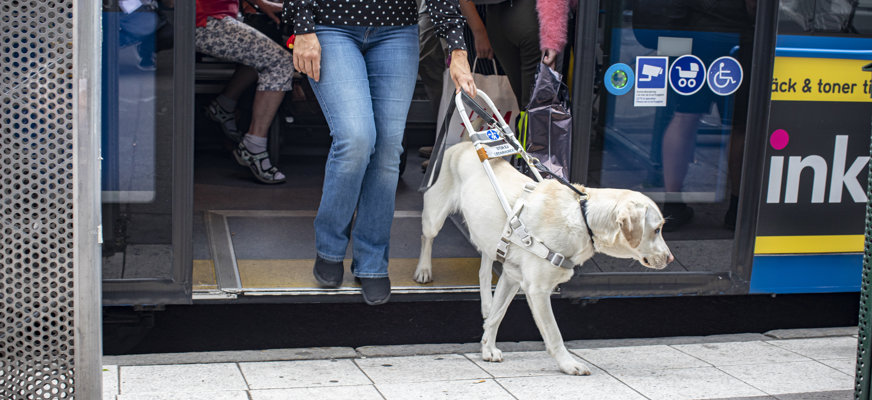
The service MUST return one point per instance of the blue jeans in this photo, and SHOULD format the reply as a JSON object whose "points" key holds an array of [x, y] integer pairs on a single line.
{"points": [[368, 75]]}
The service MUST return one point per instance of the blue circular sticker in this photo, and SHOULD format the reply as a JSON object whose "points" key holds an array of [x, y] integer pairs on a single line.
{"points": [[619, 79], [687, 75], [492, 134], [724, 76]]}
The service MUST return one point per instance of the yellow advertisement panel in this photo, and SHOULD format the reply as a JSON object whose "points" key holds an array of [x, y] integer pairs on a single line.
{"points": [[820, 79]]}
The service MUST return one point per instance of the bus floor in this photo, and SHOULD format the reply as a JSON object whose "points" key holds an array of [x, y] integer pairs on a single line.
{"points": [[255, 239]]}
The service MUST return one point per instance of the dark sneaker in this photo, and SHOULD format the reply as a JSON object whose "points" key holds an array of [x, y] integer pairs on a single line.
{"points": [[328, 273], [375, 290], [676, 214]]}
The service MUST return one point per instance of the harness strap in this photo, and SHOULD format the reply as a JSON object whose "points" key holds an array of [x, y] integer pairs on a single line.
{"points": [[516, 232]]}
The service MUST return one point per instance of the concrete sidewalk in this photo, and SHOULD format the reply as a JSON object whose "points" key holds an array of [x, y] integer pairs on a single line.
{"points": [[800, 364]]}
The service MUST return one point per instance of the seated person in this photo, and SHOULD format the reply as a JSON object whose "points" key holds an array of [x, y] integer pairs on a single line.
{"points": [[221, 35]]}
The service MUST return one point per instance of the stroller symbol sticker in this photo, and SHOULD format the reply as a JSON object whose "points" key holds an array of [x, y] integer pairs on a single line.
{"points": [[687, 75], [725, 76], [492, 134]]}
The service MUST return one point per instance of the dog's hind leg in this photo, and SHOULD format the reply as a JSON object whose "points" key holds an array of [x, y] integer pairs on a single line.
{"points": [[437, 206], [539, 300], [505, 292], [485, 281]]}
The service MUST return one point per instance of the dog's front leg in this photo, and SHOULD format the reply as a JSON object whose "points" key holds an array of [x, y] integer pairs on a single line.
{"points": [[505, 292], [424, 270], [485, 281], [539, 300]]}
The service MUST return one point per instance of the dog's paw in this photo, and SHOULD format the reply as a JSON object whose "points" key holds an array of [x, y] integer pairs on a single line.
{"points": [[423, 275], [574, 368], [492, 354]]}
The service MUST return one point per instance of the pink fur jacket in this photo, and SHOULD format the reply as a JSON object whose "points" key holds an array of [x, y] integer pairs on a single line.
{"points": [[553, 16]]}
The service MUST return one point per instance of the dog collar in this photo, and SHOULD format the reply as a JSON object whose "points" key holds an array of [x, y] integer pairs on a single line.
{"points": [[582, 204]]}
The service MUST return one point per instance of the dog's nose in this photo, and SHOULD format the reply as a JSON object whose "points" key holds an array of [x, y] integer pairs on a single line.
{"points": [[670, 258]]}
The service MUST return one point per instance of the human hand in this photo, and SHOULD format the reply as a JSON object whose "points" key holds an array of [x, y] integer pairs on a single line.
{"points": [[483, 47], [460, 73], [270, 8], [550, 57], [307, 55]]}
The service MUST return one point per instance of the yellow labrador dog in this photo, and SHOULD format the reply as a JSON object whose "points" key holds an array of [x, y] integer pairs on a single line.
{"points": [[624, 224]]}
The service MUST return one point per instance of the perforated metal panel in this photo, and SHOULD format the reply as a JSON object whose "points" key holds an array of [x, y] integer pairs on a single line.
{"points": [[37, 105]]}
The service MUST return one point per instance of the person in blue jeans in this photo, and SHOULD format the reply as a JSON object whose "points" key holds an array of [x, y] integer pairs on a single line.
{"points": [[361, 57]]}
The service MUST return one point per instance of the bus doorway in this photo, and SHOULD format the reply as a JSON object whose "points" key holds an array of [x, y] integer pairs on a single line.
{"points": [[255, 242]]}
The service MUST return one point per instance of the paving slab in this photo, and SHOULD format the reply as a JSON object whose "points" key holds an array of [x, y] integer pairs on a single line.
{"points": [[812, 332], [307, 373], [598, 385], [846, 365], [519, 364], [391, 370], [181, 378], [479, 389], [220, 395], [365, 392], [639, 357], [685, 383], [792, 377], [821, 348], [444, 348], [310, 353], [597, 343], [739, 353], [110, 381]]}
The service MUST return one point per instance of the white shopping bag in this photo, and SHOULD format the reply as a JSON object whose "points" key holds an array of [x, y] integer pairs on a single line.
{"points": [[497, 88]]}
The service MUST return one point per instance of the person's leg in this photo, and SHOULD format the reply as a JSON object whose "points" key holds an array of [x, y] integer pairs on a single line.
{"points": [[391, 55], [678, 144], [431, 65], [223, 108], [224, 38], [505, 50], [343, 93], [514, 33]]}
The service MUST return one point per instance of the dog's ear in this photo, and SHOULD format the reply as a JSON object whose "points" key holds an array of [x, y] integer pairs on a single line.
{"points": [[630, 219]]}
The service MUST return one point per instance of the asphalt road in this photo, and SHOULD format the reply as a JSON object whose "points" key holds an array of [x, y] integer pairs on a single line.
{"points": [[269, 326]]}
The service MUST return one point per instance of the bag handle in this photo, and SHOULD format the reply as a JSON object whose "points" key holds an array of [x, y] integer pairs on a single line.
{"points": [[493, 60]]}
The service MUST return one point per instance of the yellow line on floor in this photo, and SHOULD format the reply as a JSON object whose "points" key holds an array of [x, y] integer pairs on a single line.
{"points": [[204, 275]]}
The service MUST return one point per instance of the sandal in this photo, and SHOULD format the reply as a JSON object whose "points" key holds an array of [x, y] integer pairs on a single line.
{"points": [[255, 163], [227, 119]]}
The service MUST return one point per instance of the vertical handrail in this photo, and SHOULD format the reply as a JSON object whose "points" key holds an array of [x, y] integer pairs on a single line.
{"points": [[861, 377]]}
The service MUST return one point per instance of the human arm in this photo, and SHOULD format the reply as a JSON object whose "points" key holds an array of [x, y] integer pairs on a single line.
{"points": [[483, 47], [270, 8], [307, 48], [448, 24], [553, 18]]}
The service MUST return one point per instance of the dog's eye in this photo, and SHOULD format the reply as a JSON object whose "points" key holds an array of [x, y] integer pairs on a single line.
{"points": [[657, 231]]}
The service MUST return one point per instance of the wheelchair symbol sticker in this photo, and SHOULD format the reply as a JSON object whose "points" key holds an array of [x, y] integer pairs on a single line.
{"points": [[724, 76], [687, 75], [492, 134]]}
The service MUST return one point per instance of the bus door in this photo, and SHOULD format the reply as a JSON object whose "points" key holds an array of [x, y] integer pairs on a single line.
{"points": [[146, 151], [669, 120]]}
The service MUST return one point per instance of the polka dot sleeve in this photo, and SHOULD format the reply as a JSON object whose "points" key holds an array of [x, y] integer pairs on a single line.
{"points": [[448, 22], [300, 13]]}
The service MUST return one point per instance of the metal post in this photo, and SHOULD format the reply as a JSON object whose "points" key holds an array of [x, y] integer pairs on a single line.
{"points": [[864, 341], [87, 56]]}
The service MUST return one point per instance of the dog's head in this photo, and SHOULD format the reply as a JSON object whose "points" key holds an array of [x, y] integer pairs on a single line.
{"points": [[640, 224]]}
